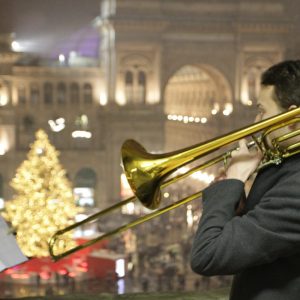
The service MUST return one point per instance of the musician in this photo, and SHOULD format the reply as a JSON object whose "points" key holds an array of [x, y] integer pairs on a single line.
{"points": [[260, 246]]}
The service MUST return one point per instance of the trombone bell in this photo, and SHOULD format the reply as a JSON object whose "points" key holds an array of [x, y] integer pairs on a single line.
{"points": [[143, 179]]}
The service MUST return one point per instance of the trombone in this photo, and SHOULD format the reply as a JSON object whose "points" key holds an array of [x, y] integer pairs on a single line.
{"points": [[147, 173]]}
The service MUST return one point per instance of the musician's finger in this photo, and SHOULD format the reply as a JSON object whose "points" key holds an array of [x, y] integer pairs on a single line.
{"points": [[243, 144]]}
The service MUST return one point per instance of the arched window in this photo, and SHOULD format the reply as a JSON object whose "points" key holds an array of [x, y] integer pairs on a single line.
{"points": [[254, 66], [191, 91], [21, 95], [61, 93], [28, 124], [87, 93], [253, 82], [135, 68], [85, 184], [141, 88], [74, 93], [129, 86], [48, 93], [34, 94], [135, 86]]}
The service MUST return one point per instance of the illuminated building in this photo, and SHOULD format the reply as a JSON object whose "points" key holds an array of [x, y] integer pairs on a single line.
{"points": [[166, 73]]}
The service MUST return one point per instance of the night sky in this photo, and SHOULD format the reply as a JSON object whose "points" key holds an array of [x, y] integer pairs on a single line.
{"points": [[40, 24]]}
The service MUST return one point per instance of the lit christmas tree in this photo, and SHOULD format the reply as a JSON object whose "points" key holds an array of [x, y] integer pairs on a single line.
{"points": [[43, 202]]}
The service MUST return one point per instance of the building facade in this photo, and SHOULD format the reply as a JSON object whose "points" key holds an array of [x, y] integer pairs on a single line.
{"points": [[168, 73]]}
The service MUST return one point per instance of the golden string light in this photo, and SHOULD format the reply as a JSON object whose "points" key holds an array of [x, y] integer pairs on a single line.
{"points": [[43, 201]]}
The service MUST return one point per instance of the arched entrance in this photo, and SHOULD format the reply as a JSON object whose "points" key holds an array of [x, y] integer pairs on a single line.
{"points": [[194, 97]]}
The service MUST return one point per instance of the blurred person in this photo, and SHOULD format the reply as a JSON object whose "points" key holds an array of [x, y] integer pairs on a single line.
{"points": [[260, 245], [145, 282], [196, 284], [180, 281]]}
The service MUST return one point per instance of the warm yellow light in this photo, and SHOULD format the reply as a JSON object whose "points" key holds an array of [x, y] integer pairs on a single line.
{"points": [[215, 109], [187, 119], [3, 99], [2, 149], [189, 216], [203, 177], [244, 93], [228, 108], [43, 201], [153, 96], [16, 46], [120, 98], [81, 134], [4, 142], [103, 99]]}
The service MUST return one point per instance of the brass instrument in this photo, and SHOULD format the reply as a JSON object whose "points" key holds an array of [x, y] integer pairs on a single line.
{"points": [[147, 173]]}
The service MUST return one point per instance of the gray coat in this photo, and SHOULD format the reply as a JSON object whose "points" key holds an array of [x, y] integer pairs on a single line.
{"points": [[262, 247]]}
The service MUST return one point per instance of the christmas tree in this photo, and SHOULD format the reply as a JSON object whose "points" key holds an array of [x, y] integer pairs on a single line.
{"points": [[43, 201]]}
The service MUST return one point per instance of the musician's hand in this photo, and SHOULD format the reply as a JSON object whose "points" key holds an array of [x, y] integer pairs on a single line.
{"points": [[243, 162], [220, 176]]}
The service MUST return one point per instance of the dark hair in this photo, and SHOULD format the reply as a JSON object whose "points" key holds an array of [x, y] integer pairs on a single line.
{"points": [[285, 77]]}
